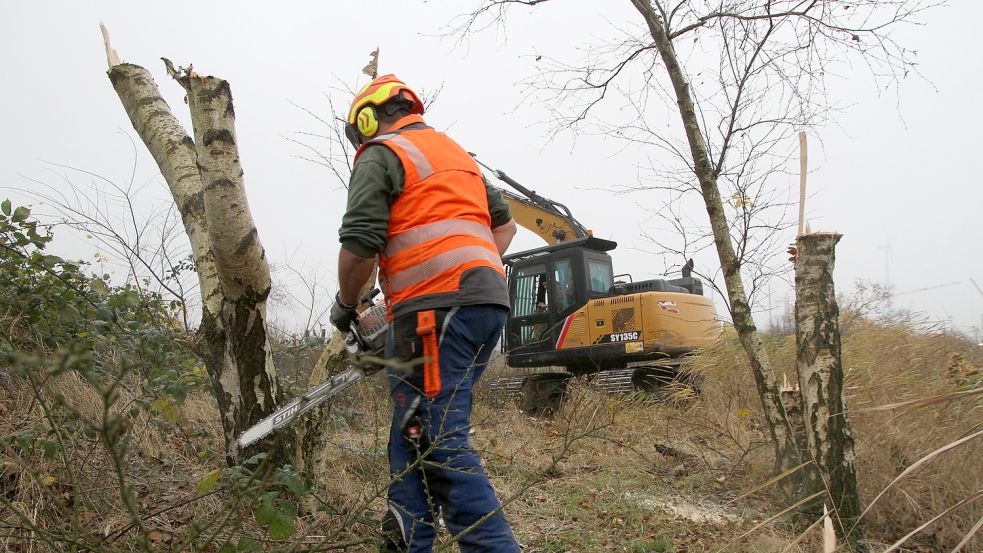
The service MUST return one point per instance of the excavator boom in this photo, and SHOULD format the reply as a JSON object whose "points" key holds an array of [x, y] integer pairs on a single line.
{"points": [[550, 220], [550, 225]]}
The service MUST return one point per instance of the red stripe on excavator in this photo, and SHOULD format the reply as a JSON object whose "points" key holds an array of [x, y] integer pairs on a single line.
{"points": [[563, 333]]}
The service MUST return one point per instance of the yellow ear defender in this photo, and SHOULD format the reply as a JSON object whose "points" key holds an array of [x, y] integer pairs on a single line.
{"points": [[367, 122]]}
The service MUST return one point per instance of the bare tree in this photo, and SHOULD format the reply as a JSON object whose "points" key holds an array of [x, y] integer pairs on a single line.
{"points": [[205, 180], [745, 76]]}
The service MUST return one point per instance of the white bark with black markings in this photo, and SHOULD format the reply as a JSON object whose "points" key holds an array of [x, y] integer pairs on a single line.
{"points": [[174, 152], [205, 179], [820, 368]]}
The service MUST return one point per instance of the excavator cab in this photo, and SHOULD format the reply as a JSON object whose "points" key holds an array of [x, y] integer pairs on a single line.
{"points": [[545, 286]]}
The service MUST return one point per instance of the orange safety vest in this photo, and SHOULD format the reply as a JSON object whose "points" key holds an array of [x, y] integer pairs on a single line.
{"points": [[439, 226]]}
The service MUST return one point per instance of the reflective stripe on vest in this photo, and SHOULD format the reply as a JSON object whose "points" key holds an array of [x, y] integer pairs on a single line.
{"points": [[425, 233], [440, 263], [423, 167]]}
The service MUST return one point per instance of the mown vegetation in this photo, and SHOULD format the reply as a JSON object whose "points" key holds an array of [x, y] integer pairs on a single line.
{"points": [[111, 440]]}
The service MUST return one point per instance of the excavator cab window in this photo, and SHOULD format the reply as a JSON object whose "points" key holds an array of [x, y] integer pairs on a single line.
{"points": [[530, 303], [601, 275], [563, 283], [546, 286]]}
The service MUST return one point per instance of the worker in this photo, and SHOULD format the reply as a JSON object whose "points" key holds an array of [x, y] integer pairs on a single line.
{"points": [[419, 203]]}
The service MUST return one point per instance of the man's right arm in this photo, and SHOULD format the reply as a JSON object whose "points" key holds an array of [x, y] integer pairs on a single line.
{"points": [[376, 179], [502, 225], [503, 235]]}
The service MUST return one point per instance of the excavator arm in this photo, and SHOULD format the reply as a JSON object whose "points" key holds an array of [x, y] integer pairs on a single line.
{"points": [[546, 222], [549, 220]]}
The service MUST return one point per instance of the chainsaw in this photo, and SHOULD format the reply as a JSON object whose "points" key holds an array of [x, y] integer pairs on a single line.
{"points": [[367, 337]]}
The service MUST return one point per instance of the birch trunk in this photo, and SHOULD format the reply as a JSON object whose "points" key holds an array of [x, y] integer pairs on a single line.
{"points": [[174, 152], [312, 432], [205, 180], [782, 436], [817, 340]]}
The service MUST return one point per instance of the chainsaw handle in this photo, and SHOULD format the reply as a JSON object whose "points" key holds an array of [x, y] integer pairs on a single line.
{"points": [[353, 340]]}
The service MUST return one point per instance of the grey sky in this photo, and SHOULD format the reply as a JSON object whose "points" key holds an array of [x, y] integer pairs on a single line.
{"points": [[896, 175]]}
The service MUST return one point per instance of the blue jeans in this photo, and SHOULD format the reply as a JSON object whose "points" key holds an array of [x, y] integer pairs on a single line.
{"points": [[434, 469]]}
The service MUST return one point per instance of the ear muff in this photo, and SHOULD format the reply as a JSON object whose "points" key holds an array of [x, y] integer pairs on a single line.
{"points": [[367, 122]]}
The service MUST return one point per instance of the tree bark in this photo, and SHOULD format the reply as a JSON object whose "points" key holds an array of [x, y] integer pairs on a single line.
{"points": [[174, 152], [205, 180], [782, 436], [312, 432], [817, 340]]}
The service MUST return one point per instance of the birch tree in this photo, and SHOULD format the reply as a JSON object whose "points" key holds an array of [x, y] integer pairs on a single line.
{"points": [[205, 179], [820, 369], [744, 77]]}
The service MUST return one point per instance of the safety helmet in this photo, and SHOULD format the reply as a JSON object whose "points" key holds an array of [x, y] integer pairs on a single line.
{"points": [[362, 116]]}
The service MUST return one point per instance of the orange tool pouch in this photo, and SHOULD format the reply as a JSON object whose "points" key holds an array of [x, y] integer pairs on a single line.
{"points": [[426, 329]]}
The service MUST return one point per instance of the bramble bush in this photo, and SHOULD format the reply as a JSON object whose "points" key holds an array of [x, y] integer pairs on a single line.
{"points": [[93, 378]]}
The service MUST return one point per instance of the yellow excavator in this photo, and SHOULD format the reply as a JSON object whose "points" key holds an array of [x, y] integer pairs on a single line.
{"points": [[572, 313]]}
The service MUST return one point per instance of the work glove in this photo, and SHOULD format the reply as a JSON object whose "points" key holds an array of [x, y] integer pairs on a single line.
{"points": [[342, 315]]}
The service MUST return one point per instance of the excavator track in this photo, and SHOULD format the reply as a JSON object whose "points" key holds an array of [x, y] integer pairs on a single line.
{"points": [[536, 394], [507, 387], [640, 378], [542, 393], [614, 381]]}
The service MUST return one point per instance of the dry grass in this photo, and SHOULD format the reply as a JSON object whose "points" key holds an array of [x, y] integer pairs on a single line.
{"points": [[888, 365], [78, 485], [884, 365], [604, 474]]}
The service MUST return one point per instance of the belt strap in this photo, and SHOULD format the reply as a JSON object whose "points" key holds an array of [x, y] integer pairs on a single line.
{"points": [[426, 329]]}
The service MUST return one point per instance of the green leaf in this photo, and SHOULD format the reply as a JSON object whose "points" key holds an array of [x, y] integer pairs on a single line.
{"points": [[281, 527], [227, 548], [265, 513], [206, 484], [21, 214], [131, 298], [170, 413], [68, 313], [247, 545], [255, 459], [49, 448], [99, 286], [294, 483], [287, 508], [5, 206], [179, 394]]}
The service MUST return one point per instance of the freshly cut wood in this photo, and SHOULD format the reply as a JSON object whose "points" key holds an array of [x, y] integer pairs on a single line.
{"points": [[312, 433]]}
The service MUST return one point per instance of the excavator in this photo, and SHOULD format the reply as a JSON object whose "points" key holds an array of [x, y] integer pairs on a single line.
{"points": [[573, 315]]}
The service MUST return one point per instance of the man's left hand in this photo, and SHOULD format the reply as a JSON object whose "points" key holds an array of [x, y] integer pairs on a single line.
{"points": [[342, 315]]}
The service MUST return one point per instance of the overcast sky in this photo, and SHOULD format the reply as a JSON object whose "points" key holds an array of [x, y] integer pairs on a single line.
{"points": [[897, 173]]}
